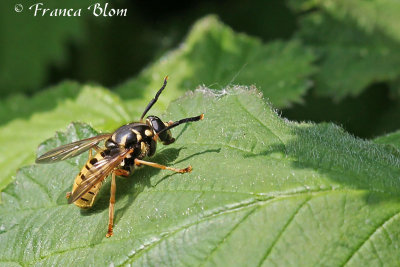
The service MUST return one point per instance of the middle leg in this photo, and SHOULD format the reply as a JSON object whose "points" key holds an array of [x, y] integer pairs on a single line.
{"points": [[121, 172]]}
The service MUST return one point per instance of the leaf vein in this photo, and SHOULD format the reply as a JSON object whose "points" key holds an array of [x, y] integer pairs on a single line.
{"points": [[267, 253], [44, 189], [215, 249], [259, 121], [369, 236], [232, 208]]}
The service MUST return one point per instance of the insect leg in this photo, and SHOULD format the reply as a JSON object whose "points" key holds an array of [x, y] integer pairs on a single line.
{"points": [[139, 162], [95, 147], [111, 208], [121, 172]]}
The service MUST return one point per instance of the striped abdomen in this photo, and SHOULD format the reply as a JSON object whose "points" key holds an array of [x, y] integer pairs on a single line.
{"points": [[87, 200]]}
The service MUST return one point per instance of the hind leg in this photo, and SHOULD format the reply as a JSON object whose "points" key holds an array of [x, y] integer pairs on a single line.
{"points": [[111, 208]]}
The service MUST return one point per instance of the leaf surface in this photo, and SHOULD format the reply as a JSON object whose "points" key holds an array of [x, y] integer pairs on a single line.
{"points": [[390, 139], [278, 192]]}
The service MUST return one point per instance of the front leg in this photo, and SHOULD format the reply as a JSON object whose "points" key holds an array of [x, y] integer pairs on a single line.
{"points": [[122, 172], [139, 162]]}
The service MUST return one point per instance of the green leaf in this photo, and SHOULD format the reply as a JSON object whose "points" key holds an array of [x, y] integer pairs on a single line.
{"points": [[390, 139], [215, 56], [278, 192], [365, 116], [351, 59], [27, 121], [373, 15], [30, 44], [357, 48]]}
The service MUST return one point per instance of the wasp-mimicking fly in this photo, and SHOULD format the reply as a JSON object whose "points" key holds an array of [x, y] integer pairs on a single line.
{"points": [[123, 151]]}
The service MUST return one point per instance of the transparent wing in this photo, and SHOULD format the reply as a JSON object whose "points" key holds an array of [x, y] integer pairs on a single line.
{"points": [[71, 150], [98, 172]]}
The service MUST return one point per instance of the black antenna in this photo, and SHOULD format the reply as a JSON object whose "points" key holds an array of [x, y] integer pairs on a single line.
{"points": [[176, 123], [154, 100]]}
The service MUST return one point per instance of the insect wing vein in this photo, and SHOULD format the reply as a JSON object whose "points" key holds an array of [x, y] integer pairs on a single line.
{"points": [[98, 172], [71, 150]]}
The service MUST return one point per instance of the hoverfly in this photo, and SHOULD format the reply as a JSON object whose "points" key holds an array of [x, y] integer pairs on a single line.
{"points": [[123, 151]]}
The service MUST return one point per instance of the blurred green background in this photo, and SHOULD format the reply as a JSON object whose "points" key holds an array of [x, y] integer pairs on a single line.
{"points": [[356, 45]]}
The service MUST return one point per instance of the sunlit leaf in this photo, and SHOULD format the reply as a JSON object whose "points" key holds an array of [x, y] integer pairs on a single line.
{"points": [[263, 191], [390, 139]]}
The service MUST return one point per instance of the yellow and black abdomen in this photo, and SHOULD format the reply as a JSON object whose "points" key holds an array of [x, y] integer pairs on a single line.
{"points": [[87, 200]]}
